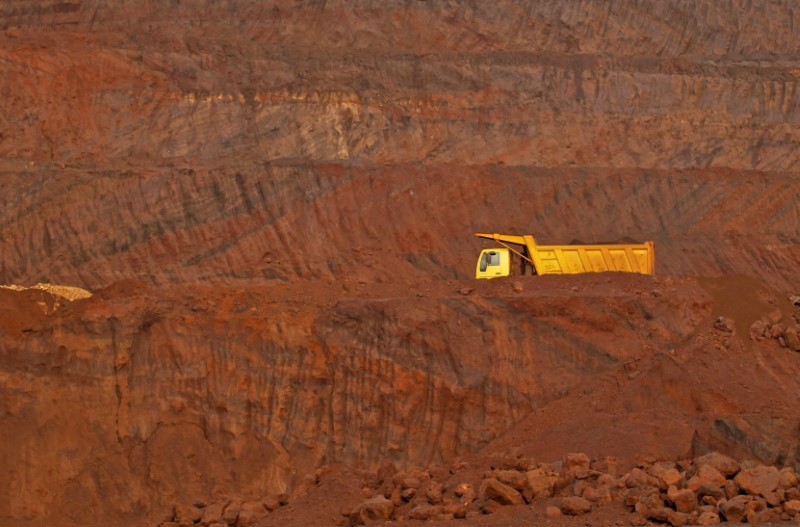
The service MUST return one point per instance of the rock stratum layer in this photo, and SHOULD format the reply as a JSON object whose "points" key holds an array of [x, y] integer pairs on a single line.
{"points": [[197, 142], [273, 203]]}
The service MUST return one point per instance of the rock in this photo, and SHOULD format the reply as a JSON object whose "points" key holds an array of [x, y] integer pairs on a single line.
{"points": [[213, 512], [597, 495], [731, 489], [758, 481], [607, 465], [649, 496], [787, 479], [637, 519], [465, 290], [272, 502], [792, 508], [758, 329], [188, 513], [434, 493], [410, 482], [772, 499], [756, 504], [659, 513], [725, 324], [639, 478], [606, 480], [791, 339], [518, 481], [466, 492], [499, 492], [776, 331], [575, 460], [408, 494], [726, 466], [712, 490], [256, 507], [552, 512], [684, 500], [575, 505], [733, 510], [542, 483], [231, 513], [457, 510], [706, 475], [425, 512], [759, 517], [670, 477], [677, 519], [488, 506], [708, 518], [378, 508], [246, 518]]}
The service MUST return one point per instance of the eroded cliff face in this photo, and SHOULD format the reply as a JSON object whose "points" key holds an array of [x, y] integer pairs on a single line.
{"points": [[293, 188], [195, 142], [137, 399]]}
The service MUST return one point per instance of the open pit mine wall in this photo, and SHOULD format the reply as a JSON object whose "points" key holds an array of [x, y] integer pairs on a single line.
{"points": [[225, 142], [133, 401]]}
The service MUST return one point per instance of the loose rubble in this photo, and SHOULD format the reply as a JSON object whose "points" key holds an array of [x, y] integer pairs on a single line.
{"points": [[225, 513], [708, 490]]}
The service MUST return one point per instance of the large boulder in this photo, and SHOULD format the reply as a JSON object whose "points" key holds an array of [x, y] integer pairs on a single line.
{"points": [[639, 478], [685, 500], [727, 466], [518, 481], [706, 475], [758, 481], [499, 492], [542, 483]]}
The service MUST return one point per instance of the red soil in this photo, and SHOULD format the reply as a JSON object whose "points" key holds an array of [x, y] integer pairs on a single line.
{"points": [[273, 204]]}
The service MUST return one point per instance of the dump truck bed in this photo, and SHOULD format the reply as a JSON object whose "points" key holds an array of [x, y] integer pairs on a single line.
{"points": [[588, 258], [571, 259]]}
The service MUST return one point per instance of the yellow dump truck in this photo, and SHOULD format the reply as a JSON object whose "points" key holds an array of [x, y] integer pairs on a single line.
{"points": [[563, 259]]}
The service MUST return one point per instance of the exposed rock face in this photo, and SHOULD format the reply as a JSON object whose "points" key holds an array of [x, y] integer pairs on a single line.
{"points": [[272, 151]]}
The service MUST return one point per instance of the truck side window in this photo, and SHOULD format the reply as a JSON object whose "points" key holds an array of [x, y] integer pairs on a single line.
{"points": [[484, 261], [494, 259]]}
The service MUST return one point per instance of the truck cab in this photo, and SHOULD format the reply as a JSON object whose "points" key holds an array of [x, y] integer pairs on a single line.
{"points": [[493, 263]]}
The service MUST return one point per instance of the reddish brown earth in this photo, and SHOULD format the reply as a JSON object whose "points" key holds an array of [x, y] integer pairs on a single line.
{"points": [[273, 203]]}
